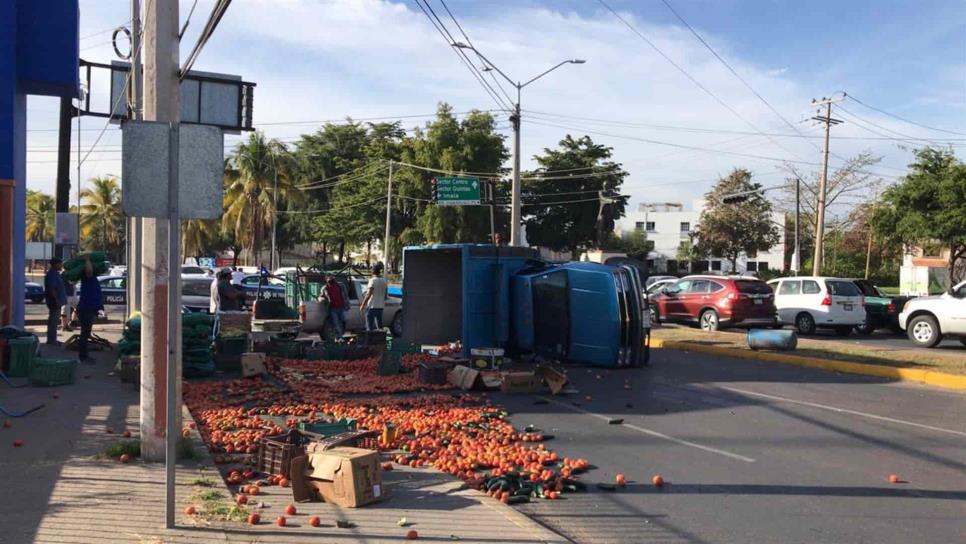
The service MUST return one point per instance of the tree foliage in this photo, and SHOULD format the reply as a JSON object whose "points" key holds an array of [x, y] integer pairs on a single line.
{"points": [[561, 205], [728, 230], [101, 219], [40, 217], [928, 206]]}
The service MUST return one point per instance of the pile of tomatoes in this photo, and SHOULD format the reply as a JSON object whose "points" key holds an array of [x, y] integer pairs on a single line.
{"points": [[458, 433]]}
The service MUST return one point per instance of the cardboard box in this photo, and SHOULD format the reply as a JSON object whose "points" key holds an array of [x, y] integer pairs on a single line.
{"points": [[348, 477], [556, 379], [464, 377], [252, 364], [487, 358], [521, 382]]}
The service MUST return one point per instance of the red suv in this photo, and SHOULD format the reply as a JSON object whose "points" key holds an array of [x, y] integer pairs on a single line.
{"points": [[717, 301]]}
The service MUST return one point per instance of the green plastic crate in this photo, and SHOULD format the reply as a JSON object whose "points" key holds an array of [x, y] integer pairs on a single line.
{"points": [[232, 345], [51, 372], [389, 364], [343, 425], [286, 349], [22, 354]]}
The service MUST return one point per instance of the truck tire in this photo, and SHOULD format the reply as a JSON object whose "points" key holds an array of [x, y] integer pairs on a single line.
{"points": [[655, 316], [709, 320], [805, 323], [865, 329], [923, 330], [844, 330], [962, 341], [327, 332], [396, 326]]}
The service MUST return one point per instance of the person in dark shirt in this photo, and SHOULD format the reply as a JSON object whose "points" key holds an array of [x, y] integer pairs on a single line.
{"points": [[335, 295], [55, 295], [229, 298], [87, 307]]}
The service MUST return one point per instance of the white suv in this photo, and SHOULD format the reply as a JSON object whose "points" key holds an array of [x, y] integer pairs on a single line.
{"points": [[811, 302], [927, 319]]}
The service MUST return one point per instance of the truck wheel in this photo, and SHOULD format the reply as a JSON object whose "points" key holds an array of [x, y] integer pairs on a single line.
{"points": [[924, 331], [709, 320], [865, 329], [396, 326], [962, 341], [655, 317], [327, 334], [805, 323]]}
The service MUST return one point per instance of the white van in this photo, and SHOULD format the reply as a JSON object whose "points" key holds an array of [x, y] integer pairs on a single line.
{"points": [[811, 302]]}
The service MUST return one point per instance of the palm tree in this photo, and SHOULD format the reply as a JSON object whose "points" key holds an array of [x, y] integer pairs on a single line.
{"points": [[40, 217], [251, 175], [101, 218], [199, 237]]}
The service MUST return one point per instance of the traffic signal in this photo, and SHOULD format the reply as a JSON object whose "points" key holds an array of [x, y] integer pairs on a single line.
{"points": [[435, 191], [734, 199]]}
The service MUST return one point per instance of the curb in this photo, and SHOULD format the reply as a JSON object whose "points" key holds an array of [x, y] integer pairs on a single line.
{"points": [[929, 377]]}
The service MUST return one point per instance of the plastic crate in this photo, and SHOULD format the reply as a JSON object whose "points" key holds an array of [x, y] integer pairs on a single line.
{"points": [[22, 354], [389, 364], [334, 352], [286, 349], [50, 372], [403, 347], [343, 425], [232, 345], [275, 453], [130, 370]]}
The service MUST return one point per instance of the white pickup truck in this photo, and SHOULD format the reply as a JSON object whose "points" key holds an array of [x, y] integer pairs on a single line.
{"points": [[927, 320], [315, 314]]}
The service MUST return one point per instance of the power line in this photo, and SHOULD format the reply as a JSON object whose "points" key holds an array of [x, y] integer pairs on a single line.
{"points": [[346, 207], [854, 116], [470, 43], [188, 19], [911, 122], [105, 31], [213, 19], [735, 72], [463, 58], [690, 77], [383, 118]]}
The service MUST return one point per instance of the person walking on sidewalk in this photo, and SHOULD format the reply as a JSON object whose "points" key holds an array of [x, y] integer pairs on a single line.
{"points": [[374, 300], [55, 295], [87, 307], [335, 295]]}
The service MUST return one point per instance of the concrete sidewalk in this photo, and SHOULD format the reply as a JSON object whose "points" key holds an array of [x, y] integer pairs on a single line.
{"points": [[59, 491]]}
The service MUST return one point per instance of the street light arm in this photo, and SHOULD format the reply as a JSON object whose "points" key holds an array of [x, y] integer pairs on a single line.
{"points": [[568, 61], [461, 45]]}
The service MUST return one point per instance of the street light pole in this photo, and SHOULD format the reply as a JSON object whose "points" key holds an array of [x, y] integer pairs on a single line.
{"points": [[515, 187]]}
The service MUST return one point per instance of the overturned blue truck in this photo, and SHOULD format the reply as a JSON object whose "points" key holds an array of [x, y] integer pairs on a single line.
{"points": [[490, 296]]}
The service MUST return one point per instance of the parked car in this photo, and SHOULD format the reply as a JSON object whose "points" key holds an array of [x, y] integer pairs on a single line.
{"points": [[315, 316], [927, 320], [881, 310], [117, 270], [188, 270], [654, 279], [34, 292], [113, 289], [812, 302], [274, 288], [652, 290], [714, 301], [196, 293]]}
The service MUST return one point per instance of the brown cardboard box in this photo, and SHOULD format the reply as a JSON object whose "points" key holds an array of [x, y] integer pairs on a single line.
{"points": [[348, 477], [464, 377], [252, 364], [554, 377], [521, 382]]}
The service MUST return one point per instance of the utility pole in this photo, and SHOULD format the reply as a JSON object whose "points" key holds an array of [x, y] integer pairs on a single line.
{"points": [[134, 226], [868, 225], [491, 185], [823, 180], [160, 271], [798, 217], [515, 189], [385, 240]]}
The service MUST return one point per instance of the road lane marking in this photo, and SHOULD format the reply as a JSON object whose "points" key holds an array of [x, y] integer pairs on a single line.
{"points": [[652, 432], [842, 410]]}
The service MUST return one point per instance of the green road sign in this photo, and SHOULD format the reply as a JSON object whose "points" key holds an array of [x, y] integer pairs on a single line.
{"points": [[458, 191]]}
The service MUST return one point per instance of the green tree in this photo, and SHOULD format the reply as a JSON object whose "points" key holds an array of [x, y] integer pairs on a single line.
{"points": [[251, 175], [561, 203], [728, 230], [101, 219], [928, 206], [40, 217]]}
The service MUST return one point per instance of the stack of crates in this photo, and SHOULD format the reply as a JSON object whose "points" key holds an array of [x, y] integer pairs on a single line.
{"points": [[22, 353]]}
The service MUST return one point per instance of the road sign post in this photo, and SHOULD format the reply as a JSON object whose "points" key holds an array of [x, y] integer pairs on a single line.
{"points": [[458, 191]]}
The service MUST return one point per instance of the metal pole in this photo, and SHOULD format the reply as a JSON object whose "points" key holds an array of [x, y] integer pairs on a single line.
{"points": [[385, 240], [868, 225], [798, 218], [820, 219], [515, 188], [492, 187], [134, 223], [275, 212]]}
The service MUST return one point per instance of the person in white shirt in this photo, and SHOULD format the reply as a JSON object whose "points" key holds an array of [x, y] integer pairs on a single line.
{"points": [[374, 301], [237, 276]]}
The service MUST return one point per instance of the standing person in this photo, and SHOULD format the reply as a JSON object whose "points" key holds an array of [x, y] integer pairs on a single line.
{"points": [[55, 295], [87, 307], [236, 275], [65, 320], [229, 298], [335, 295], [213, 306], [374, 301]]}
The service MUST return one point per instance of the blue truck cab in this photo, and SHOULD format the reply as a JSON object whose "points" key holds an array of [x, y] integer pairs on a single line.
{"points": [[488, 296]]}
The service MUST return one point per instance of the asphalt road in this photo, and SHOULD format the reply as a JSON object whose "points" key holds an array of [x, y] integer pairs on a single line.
{"points": [[755, 452]]}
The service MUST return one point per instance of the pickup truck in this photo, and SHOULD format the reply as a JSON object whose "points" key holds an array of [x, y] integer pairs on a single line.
{"points": [[314, 314], [927, 320], [881, 310]]}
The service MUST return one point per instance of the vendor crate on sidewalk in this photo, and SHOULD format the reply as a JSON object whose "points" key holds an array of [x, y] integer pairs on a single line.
{"points": [[22, 353], [328, 428], [130, 369], [275, 453], [51, 372], [353, 439]]}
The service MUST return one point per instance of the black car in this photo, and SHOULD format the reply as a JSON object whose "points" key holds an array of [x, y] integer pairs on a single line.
{"points": [[271, 288], [881, 310], [34, 292]]}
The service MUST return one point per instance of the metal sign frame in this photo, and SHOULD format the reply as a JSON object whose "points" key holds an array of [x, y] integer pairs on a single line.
{"points": [[245, 102]]}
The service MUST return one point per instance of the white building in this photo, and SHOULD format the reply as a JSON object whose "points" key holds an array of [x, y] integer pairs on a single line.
{"points": [[669, 226]]}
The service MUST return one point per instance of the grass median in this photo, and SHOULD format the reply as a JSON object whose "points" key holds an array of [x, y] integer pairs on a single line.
{"points": [[948, 361]]}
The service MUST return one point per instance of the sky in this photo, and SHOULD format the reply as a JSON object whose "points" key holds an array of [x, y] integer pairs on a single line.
{"points": [[317, 60]]}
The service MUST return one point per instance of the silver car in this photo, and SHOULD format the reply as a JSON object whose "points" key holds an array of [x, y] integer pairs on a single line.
{"points": [[316, 314]]}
